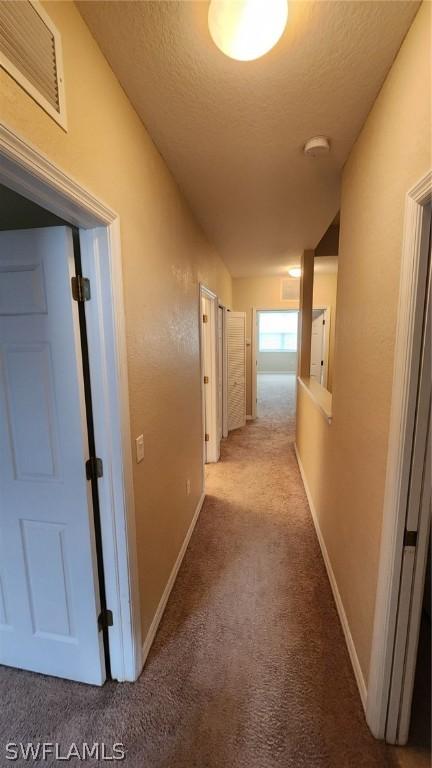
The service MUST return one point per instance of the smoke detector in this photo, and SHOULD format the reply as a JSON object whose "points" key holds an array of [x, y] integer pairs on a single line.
{"points": [[317, 147]]}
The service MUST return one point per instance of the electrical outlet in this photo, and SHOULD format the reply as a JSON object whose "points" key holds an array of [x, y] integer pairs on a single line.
{"points": [[139, 442], [188, 487]]}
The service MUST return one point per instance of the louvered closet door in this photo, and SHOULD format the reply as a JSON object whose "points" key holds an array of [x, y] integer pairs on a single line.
{"points": [[236, 336]]}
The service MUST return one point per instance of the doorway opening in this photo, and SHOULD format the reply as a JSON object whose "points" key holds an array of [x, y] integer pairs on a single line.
{"points": [[47, 446], [398, 700], [61, 277], [274, 345], [320, 345], [211, 376], [223, 372]]}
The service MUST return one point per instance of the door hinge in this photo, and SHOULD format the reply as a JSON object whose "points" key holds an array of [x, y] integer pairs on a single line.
{"points": [[322, 362], [205, 318], [206, 437], [410, 539], [80, 288], [94, 468], [206, 379], [323, 322], [105, 619]]}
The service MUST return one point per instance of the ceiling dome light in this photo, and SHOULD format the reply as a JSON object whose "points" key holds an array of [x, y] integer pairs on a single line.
{"points": [[247, 29], [294, 271]]}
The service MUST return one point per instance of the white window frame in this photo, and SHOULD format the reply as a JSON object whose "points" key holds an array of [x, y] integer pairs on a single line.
{"points": [[277, 333]]}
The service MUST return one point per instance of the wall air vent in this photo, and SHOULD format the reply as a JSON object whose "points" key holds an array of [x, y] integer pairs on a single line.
{"points": [[30, 51], [289, 289]]}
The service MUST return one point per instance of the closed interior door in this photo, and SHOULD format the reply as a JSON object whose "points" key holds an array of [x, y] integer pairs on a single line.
{"points": [[317, 347], [416, 542], [236, 341], [210, 374], [220, 376], [49, 596]]}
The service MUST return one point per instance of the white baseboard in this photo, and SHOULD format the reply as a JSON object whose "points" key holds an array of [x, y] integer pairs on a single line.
{"points": [[361, 684], [170, 583]]}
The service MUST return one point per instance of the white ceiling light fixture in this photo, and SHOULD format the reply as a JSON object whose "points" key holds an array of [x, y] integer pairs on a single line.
{"points": [[294, 271], [317, 147], [247, 29]]}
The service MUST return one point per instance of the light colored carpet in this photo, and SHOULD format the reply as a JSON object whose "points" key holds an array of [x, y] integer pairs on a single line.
{"points": [[249, 668]]}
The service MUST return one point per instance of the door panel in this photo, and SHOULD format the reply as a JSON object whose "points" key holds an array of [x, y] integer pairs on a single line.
{"points": [[220, 374], [418, 520], [210, 373], [30, 411], [317, 347], [236, 339], [49, 595]]}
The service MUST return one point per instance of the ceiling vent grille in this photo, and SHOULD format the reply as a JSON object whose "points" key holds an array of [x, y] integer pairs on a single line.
{"points": [[289, 289], [30, 51]]}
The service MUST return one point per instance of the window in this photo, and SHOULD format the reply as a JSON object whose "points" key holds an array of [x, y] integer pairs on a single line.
{"points": [[277, 331]]}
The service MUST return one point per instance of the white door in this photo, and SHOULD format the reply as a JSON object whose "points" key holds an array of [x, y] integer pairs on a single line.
{"points": [[236, 341], [317, 347], [415, 549], [220, 376], [49, 598], [209, 371]]}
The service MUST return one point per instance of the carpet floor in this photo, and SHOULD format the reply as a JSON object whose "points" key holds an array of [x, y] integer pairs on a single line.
{"points": [[249, 668]]}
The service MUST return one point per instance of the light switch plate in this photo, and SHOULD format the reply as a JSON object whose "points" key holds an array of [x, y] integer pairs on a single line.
{"points": [[139, 442]]}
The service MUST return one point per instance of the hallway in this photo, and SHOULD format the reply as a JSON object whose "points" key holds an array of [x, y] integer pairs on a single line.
{"points": [[249, 668]]}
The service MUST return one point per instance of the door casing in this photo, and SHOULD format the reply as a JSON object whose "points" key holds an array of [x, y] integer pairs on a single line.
{"points": [[211, 448], [28, 172], [410, 320], [326, 343]]}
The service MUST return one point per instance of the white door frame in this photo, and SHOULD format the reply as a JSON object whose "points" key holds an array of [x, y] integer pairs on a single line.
{"points": [[27, 171], [254, 349], [225, 371], [327, 318], [211, 448], [402, 420]]}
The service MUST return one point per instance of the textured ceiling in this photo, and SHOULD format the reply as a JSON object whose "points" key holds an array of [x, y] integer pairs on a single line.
{"points": [[232, 132]]}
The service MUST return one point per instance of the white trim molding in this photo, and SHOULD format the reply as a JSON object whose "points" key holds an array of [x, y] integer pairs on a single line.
{"points": [[170, 583], [402, 418], [358, 674], [208, 361], [28, 172], [254, 364]]}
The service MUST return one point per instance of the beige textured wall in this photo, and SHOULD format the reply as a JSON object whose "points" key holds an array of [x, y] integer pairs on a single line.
{"points": [[165, 255], [265, 293], [276, 362], [345, 462]]}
